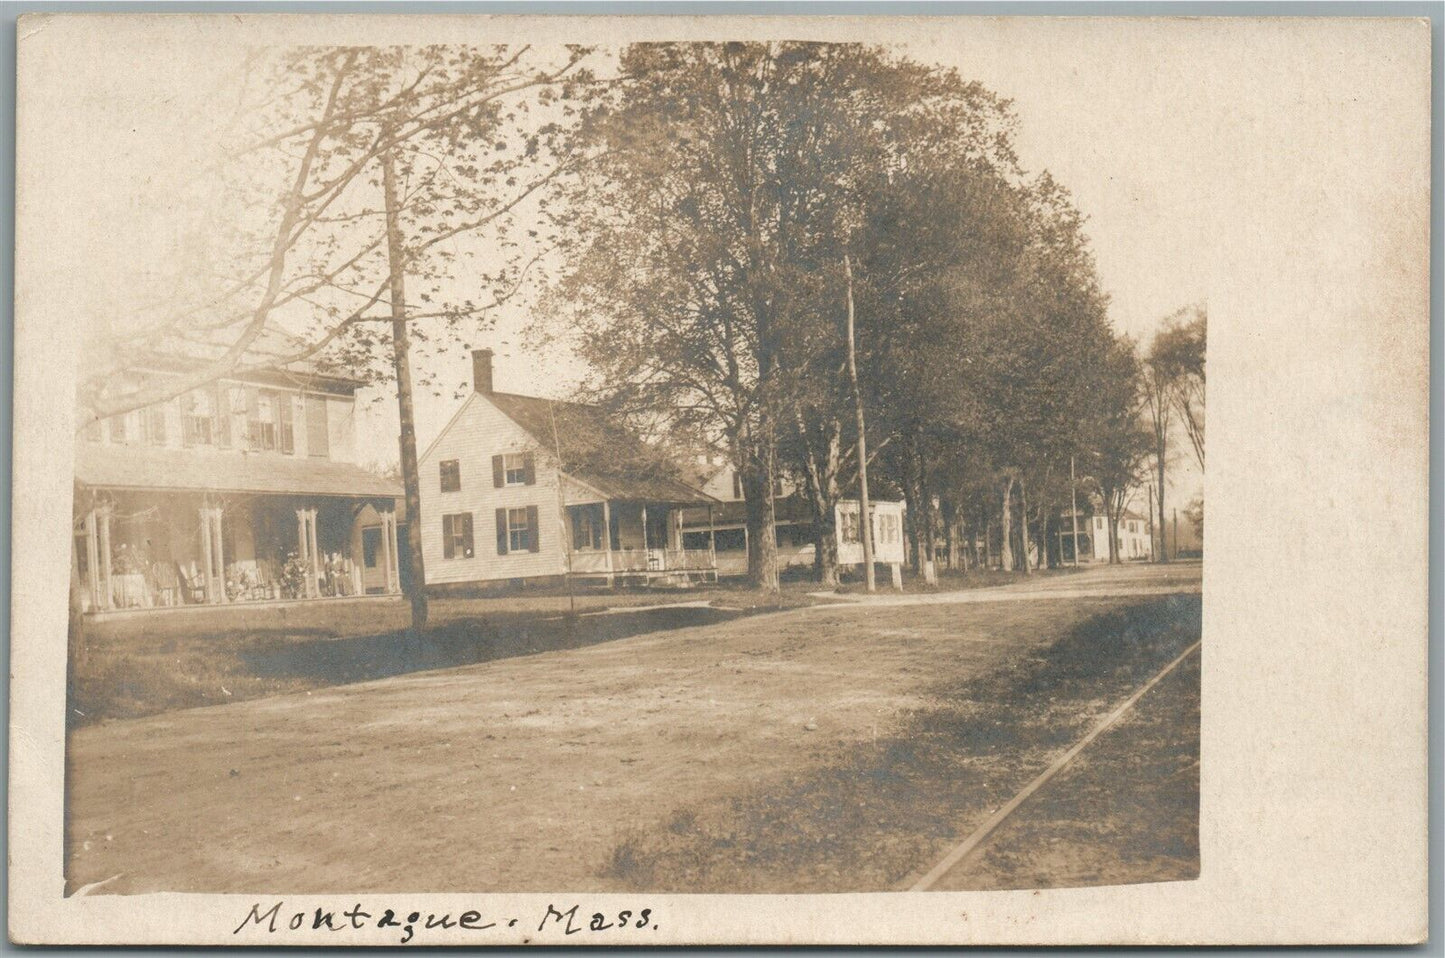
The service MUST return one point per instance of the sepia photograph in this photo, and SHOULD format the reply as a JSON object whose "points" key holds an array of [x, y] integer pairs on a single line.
{"points": [[586, 459]]}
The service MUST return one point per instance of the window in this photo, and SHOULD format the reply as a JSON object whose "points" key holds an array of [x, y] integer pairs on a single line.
{"points": [[371, 544], [514, 465], [587, 527], [285, 427], [318, 437], [122, 427], [457, 536], [849, 526], [513, 469], [261, 420], [451, 475], [519, 530], [155, 420], [197, 419]]}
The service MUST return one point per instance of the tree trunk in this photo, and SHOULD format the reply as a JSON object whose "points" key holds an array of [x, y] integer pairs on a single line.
{"points": [[757, 483], [913, 518], [1024, 539], [401, 345], [1163, 540], [925, 492], [821, 483], [1006, 524], [1111, 521], [950, 539]]}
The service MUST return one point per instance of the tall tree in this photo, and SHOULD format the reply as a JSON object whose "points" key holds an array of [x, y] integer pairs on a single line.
{"points": [[715, 220], [1118, 443], [1179, 349]]}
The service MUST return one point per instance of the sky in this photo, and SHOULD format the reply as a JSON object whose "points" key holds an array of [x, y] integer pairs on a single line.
{"points": [[1119, 132], [1104, 126]]}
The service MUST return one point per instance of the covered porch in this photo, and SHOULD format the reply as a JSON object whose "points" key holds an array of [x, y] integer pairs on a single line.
{"points": [[138, 549], [639, 542]]}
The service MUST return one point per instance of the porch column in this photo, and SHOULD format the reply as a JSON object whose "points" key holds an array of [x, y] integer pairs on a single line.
{"points": [[315, 554], [92, 559], [607, 537], [107, 599], [208, 579], [303, 550], [220, 555], [386, 545], [393, 551], [711, 543]]}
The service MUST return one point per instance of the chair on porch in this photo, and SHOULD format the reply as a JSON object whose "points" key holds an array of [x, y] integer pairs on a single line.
{"points": [[165, 584], [192, 587]]}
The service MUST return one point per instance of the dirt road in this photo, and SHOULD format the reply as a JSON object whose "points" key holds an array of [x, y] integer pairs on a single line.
{"points": [[534, 773]]}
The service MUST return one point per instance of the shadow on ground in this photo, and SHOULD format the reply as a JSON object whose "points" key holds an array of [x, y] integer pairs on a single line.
{"points": [[461, 642], [134, 678]]}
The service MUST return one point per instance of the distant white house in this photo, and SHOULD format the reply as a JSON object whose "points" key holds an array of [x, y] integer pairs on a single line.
{"points": [[497, 509], [1134, 538]]}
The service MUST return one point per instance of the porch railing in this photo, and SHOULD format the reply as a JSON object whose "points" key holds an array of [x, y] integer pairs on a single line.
{"points": [[634, 561]]}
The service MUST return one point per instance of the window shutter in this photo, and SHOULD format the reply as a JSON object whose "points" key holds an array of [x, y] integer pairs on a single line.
{"points": [[449, 547], [529, 465], [534, 531], [467, 534], [318, 438], [501, 531], [499, 477]]}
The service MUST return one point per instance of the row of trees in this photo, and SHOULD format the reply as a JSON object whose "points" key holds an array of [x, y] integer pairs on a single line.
{"points": [[709, 213], [741, 198]]}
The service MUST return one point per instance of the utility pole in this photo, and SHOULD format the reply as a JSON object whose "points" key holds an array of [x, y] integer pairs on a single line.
{"points": [[865, 519], [1176, 533], [401, 347], [1074, 509]]}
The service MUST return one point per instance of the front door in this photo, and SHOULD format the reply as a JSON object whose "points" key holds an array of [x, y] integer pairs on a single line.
{"points": [[373, 560]]}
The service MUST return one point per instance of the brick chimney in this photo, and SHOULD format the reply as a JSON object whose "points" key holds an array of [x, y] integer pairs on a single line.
{"points": [[482, 370]]}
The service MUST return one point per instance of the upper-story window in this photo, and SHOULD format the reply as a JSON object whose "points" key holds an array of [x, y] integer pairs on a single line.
{"points": [[451, 475], [513, 469], [514, 466], [261, 427], [125, 427], [198, 415]]}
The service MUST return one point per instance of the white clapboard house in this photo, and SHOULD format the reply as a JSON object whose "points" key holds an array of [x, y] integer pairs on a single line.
{"points": [[244, 490], [497, 510]]}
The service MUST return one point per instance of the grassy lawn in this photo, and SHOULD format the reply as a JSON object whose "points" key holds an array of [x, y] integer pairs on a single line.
{"points": [[832, 748], [885, 810], [1126, 810], [135, 669]]}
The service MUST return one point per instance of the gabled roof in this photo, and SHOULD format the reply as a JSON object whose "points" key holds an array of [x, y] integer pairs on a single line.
{"points": [[597, 451], [141, 467]]}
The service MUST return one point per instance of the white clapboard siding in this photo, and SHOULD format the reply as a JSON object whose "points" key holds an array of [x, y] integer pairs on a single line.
{"points": [[478, 432]]}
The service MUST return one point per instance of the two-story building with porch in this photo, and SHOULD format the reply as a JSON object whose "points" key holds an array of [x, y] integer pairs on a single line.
{"points": [[243, 490], [501, 507]]}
